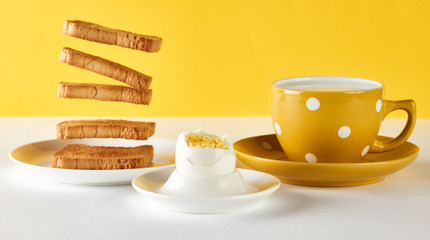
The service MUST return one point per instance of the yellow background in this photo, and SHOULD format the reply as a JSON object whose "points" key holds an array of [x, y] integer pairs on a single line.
{"points": [[218, 57]]}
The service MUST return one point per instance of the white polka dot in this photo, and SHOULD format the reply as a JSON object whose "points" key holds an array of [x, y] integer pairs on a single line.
{"points": [[344, 132], [266, 145], [313, 104], [311, 158], [378, 105], [278, 129], [365, 150]]}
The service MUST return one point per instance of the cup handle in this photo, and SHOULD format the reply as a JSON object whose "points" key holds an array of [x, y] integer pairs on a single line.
{"points": [[387, 107]]}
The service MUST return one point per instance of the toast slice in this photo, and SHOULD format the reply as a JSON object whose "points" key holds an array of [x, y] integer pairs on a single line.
{"points": [[96, 33], [103, 92], [81, 156], [134, 79], [105, 128]]}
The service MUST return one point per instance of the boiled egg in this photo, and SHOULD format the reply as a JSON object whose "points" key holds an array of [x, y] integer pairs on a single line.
{"points": [[202, 154]]}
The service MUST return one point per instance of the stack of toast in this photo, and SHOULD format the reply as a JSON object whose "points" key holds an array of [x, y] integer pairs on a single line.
{"points": [[81, 156]]}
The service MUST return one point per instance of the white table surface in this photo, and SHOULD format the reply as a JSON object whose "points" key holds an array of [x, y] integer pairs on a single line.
{"points": [[34, 208]]}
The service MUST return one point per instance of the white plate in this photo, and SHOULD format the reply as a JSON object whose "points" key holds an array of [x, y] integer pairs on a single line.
{"points": [[148, 183], [36, 158]]}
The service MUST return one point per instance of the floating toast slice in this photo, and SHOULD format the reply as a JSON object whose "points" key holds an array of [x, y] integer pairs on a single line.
{"points": [[103, 92], [105, 128], [134, 79], [81, 156], [96, 33]]}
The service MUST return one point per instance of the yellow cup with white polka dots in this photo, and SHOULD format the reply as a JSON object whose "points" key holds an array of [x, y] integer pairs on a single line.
{"points": [[331, 119]]}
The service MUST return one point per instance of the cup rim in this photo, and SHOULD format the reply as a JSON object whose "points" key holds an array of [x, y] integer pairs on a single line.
{"points": [[308, 82]]}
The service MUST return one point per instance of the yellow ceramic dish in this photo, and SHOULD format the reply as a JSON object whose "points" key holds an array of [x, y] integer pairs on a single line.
{"points": [[264, 153]]}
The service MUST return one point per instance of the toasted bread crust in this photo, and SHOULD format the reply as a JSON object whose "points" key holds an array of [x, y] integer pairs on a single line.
{"points": [[96, 33], [134, 79], [103, 92], [81, 156], [105, 128]]}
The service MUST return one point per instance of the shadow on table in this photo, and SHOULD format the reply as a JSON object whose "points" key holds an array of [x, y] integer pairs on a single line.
{"points": [[419, 170], [286, 202]]}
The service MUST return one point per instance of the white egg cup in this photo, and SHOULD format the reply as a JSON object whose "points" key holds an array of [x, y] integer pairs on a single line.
{"points": [[206, 186], [149, 185], [205, 172]]}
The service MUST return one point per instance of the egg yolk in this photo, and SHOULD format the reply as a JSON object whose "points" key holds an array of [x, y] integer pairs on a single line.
{"points": [[204, 141]]}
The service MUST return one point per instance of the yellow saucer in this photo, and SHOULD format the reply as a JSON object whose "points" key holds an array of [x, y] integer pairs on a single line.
{"points": [[264, 153]]}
